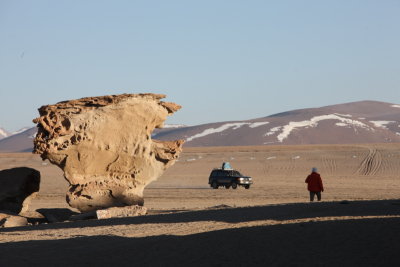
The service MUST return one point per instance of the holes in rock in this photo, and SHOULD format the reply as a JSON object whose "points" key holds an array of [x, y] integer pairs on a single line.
{"points": [[73, 187], [66, 123]]}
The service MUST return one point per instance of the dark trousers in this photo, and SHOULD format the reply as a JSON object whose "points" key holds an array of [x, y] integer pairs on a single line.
{"points": [[312, 194]]}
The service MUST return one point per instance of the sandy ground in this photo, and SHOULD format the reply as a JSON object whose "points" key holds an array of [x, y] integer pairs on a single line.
{"points": [[271, 224]]}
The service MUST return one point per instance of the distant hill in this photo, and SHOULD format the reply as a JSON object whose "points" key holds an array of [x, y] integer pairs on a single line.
{"points": [[356, 122], [19, 142]]}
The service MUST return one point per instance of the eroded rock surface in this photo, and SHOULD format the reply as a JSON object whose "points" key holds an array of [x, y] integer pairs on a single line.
{"points": [[17, 187], [104, 146]]}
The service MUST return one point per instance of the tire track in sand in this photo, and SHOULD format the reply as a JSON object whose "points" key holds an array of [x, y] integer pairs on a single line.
{"points": [[329, 165], [390, 164], [371, 163]]}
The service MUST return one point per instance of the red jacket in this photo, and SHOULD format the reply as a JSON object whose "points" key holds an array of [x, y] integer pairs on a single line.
{"points": [[314, 182]]}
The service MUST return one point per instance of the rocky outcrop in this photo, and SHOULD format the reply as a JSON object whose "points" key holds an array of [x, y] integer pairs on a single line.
{"points": [[17, 187], [12, 220], [120, 212], [104, 146]]}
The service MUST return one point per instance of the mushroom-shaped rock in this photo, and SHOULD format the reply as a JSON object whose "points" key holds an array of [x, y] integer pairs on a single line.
{"points": [[17, 187], [104, 146]]}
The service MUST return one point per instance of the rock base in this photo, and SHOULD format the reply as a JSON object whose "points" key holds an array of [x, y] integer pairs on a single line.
{"points": [[119, 212]]}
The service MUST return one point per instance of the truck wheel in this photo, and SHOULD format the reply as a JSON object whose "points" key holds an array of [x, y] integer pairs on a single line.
{"points": [[227, 186], [234, 185], [214, 185], [247, 186]]}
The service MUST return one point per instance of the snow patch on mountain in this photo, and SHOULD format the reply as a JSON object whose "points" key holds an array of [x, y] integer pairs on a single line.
{"points": [[21, 130], [257, 124], [3, 133], [382, 124], [273, 131], [313, 122], [222, 128], [343, 115], [395, 106], [174, 125]]}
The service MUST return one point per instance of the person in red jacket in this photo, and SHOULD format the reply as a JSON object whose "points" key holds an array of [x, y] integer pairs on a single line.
{"points": [[314, 184]]}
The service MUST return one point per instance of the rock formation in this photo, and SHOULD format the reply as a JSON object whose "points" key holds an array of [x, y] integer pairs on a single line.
{"points": [[17, 187], [119, 212], [12, 220], [104, 146]]}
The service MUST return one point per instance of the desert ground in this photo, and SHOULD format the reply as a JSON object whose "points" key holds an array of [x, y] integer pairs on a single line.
{"points": [[357, 223]]}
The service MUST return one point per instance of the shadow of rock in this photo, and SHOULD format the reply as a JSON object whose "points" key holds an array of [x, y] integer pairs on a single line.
{"points": [[365, 242], [56, 215], [279, 212]]}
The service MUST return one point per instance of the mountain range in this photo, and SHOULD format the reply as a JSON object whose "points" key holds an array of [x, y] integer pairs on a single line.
{"points": [[356, 122]]}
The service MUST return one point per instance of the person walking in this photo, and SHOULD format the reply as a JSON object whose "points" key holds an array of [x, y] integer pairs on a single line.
{"points": [[314, 184]]}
